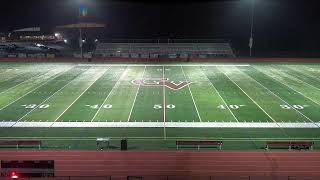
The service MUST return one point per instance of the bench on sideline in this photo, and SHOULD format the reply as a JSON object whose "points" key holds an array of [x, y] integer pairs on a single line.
{"points": [[291, 144], [19, 143], [199, 143]]}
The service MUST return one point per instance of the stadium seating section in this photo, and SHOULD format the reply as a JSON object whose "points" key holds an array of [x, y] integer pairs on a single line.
{"points": [[164, 50]]}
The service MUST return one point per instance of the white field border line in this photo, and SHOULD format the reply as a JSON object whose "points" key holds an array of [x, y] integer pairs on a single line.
{"points": [[160, 65], [160, 125], [289, 87], [219, 95], [45, 100], [294, 78], [110, 93], [135, 97], [77, 98], [41, 84], [280, 98], [249, 97], [195, 105], [33, 77], [164, 105], [159, 138]]}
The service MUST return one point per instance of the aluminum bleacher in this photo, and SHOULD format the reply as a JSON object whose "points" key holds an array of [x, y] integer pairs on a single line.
{"points": [[170, 49]]}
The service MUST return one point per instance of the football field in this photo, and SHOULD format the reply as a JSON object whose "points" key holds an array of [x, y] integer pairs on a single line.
{"points": [[235, 102]]}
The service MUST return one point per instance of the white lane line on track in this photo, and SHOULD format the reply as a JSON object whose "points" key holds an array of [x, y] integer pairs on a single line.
{"points": [[194, 103], [41, 84], [45, 100], [249, 97], [219, 95], [110, 93], [76, 99], [281, 99]]}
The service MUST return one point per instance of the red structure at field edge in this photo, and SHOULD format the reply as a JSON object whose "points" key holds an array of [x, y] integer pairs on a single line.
{"points": [[177, 163]]}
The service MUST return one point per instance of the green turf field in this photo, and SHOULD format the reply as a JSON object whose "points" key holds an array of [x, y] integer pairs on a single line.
{"points": [[70, 105]]}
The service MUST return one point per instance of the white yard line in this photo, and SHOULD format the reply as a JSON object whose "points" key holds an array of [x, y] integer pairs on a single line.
{"points": [[33, 77], [110, 93], [76, 99], [220, 96], [250, 98], [194, 103], [47, 99], [42, 84], [291, 88], [302, 71], [135, 97], [164, 105], [294, 78], [281, 99]]}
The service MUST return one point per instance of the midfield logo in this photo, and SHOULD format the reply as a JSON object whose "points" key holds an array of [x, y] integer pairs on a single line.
{"points": [[161, 82]]}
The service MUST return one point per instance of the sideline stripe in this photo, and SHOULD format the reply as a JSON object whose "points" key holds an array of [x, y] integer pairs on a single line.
{"points": [[77, 99], [135, 98], [249, 125], [110, 93], [195, 105], [219, 95]]}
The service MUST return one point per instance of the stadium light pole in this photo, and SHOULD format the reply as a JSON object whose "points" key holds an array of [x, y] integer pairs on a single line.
{"points": [[80, 42], [251, 27], [80, 4]]}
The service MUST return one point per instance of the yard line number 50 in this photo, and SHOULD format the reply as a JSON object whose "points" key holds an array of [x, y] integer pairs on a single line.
{"points": [[159, 106]]}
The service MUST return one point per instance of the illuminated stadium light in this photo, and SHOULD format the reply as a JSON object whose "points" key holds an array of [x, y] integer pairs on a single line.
{"points": [[56, 34], [65, 41], [14, 175]]}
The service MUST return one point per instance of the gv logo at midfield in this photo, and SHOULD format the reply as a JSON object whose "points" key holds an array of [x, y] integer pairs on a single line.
{"points": [[161, 82]]}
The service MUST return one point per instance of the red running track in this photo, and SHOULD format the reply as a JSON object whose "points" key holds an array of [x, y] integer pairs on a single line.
{"points": [[176, 163]]}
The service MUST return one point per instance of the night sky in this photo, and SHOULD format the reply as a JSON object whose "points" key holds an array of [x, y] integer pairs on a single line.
{"points": [[281, 26]]}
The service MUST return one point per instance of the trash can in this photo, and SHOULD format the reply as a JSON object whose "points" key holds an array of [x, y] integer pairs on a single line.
{"points": [[124, 144]]}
